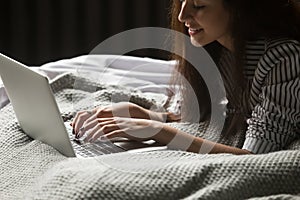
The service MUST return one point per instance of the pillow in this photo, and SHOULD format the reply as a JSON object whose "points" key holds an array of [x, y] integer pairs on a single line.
{"points": [[145, 74]]}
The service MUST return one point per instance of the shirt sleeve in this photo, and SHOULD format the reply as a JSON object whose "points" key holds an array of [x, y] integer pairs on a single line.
{"points": [[275, 100]]}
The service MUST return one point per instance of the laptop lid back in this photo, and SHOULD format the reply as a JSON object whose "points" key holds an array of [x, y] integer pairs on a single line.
{"points": [[34, 105]]}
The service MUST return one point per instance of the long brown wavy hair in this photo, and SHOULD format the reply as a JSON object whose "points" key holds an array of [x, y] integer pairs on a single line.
{"points": [[249, 20]]}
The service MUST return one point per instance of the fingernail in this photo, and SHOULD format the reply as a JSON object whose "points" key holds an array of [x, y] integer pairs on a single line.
{"points": [[103, 138], [80, 133]]}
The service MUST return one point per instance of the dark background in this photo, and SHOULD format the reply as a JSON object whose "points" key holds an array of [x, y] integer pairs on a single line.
{"points": [[40, 31]]}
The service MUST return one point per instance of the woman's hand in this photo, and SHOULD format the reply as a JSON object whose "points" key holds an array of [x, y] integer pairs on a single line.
{"points": [[122, 109], [138, 130], [131, 128], [144, 129]]}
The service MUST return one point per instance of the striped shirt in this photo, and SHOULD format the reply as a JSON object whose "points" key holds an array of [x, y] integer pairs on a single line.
{"points": [[272, 70]]}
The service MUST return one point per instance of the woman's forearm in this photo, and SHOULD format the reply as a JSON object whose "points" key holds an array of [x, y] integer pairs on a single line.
{"points": [[176, 139], [200, 145]]}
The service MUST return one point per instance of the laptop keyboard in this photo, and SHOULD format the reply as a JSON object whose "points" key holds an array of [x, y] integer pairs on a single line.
{"points": [[95, 149], [86, 149]]}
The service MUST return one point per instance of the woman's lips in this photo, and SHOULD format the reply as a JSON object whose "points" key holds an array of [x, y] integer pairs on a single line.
{"points": [[194, 31]]}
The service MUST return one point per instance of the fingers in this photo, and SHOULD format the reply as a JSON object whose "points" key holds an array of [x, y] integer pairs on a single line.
{"points": [[84, 117], [113, 134], [81, 118], [102, 132], [104, 129], [108, 128], [93, 125]]}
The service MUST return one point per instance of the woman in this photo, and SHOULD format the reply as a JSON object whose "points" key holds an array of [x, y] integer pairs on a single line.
{"points": [[255, 44]]}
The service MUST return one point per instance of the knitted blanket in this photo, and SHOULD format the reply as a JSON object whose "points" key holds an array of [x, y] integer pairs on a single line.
{"points": [[30, 169]]}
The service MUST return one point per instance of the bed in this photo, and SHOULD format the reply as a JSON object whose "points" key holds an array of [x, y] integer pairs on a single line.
{"points": [[30, 169]]}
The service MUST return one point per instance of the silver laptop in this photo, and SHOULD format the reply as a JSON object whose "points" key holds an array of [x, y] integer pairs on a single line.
{"points": [[39, 116]]}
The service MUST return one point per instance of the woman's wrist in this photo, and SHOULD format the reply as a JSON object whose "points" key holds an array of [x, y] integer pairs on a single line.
{"points": [[176, 139], [157, 116], [171, 117], [164, 116]]}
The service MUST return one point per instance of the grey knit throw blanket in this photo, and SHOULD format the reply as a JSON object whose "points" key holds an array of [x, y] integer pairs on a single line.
{"points": [[30, 169]]}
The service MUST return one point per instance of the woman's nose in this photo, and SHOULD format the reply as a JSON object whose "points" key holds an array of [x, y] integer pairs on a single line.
{"points": [[185, 12]]}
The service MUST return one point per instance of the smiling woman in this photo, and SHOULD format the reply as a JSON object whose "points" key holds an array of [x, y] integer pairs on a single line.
{"points": [[261, 42], [259, 63], [206, 21], [255, 44]]}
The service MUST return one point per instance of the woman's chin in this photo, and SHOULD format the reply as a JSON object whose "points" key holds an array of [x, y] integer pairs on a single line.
{"points": [[196, 43]]}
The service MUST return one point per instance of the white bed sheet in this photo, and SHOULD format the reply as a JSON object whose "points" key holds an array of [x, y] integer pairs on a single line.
{"points": [[145, 74]]}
